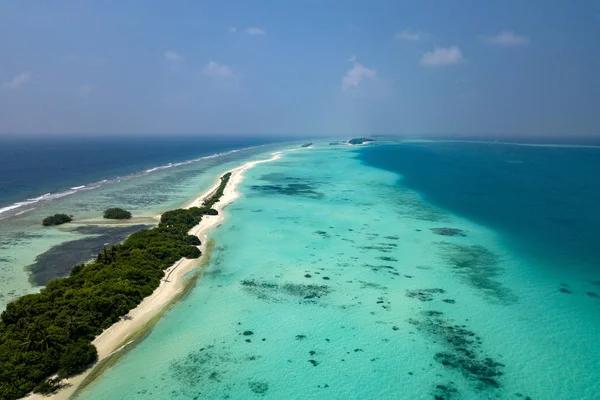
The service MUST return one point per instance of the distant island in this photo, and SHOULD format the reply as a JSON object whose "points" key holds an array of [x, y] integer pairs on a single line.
{"points": [[306, 145], [57, 219], [361, 140], [117, 213], [335, 143]]}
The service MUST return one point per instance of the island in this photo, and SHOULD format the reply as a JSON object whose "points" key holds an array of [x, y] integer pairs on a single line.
{"points": [[47, 336], [306, 145], [117, 213], [57, 219], [361, 140]]}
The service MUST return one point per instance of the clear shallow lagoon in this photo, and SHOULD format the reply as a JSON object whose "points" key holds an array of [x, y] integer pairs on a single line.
{"points": [[331, 279], [145, 193]]}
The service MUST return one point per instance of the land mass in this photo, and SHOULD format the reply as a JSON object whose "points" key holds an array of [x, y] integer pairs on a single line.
{"points": [[361, 140], [120, 303]]}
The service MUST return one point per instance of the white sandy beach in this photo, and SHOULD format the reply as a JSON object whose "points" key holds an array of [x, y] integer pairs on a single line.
{"points": [[115, 337]]}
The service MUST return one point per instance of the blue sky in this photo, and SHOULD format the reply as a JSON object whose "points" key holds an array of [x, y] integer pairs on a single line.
{"points": [[301, 67]]}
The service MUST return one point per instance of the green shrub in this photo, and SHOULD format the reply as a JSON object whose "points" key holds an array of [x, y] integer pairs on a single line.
{"points": [[116, 213], [57, 219]]}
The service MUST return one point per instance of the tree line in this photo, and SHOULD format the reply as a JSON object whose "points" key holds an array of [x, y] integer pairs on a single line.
{"points": [[50, 332]]}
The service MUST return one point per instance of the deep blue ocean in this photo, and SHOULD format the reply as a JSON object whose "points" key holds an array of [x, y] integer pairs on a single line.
{"points": [[33, 166], [545, 201]]}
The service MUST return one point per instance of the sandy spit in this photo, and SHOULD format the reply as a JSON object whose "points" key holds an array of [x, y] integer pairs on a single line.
{"points": [[115, 337]]}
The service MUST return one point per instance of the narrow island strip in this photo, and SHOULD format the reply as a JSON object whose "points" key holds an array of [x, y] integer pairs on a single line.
{"points": [[51, 341]]}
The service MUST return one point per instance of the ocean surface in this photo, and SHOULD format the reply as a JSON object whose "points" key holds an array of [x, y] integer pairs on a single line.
{"points": [[421, 270], [35, 169], [84, 176], [543, 200]]}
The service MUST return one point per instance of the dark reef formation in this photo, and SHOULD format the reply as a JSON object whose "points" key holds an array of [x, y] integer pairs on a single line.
{"points": [[424, 294], [462, 353], [449, 232], [59, 260], [198, 367], [480, 268], [259, 387], [275, 292], [445, 391], [292, 189]]}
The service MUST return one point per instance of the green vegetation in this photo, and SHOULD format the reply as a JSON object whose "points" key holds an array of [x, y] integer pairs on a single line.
{"points": [[141, 333], [51, 332], [361, 140], [116, 213], [57, 219]]}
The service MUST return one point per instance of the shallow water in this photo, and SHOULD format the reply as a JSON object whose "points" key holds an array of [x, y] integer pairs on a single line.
{"points": [[23, 238], [330, 279]]}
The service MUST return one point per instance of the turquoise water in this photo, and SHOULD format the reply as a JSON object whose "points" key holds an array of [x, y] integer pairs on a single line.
{"points": [[327, 281], [145, 194], [543, 199]]}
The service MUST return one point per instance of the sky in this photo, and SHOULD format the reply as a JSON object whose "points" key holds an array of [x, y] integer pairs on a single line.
{"points": [[327, 67]]}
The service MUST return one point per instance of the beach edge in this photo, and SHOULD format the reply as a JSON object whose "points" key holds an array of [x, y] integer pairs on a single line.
{"points": [[144, 316]]}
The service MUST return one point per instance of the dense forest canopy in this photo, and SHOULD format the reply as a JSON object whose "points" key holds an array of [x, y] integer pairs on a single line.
{"points": [[51, 332]]}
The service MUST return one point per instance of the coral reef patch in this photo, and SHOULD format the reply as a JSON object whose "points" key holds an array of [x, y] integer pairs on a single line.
{"points": [[449, 232], [480, 269], [462, 352], [424, 294], [275, 292]]}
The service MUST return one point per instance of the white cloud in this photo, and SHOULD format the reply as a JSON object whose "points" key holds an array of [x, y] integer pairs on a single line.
{"points": [[173, 56], [18, 80], [255, 31], [507, 38], [442, 56], [85, 90], [232, 29], [409, 35], [215, 69], [357, 74]]}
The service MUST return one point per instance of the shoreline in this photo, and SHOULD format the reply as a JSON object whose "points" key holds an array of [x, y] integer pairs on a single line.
{"points": [[15, 209], [115, 338]]}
